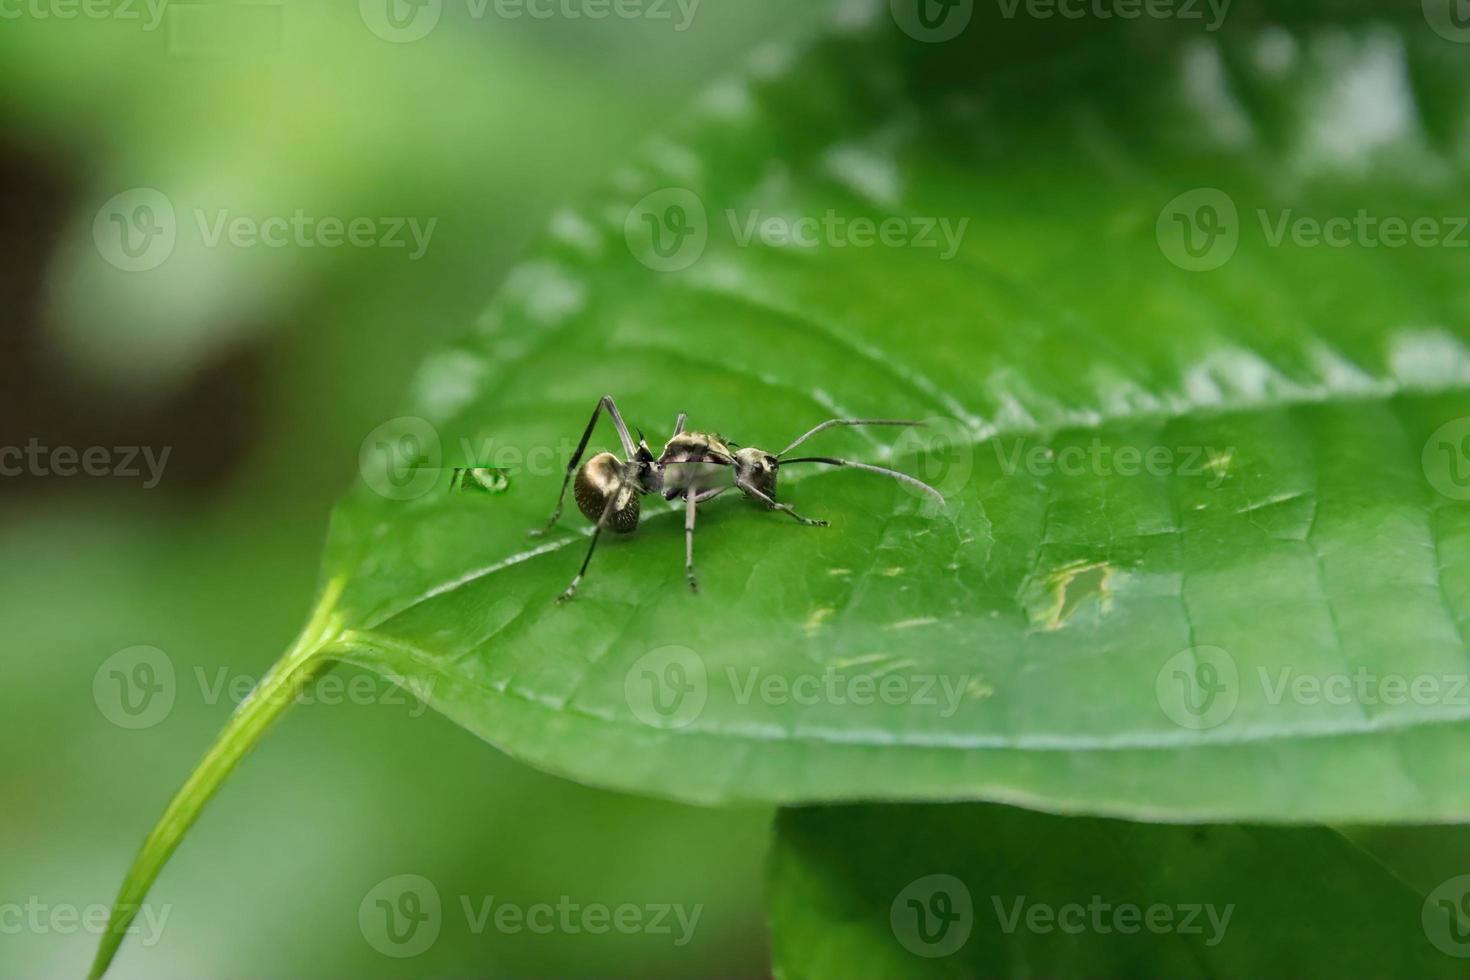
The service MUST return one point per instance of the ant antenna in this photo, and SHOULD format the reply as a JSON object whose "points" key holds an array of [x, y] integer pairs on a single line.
{"points": [[834, 461], [831, 422]]}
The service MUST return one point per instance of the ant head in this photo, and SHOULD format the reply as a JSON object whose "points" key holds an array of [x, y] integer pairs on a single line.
{"points": [[757, 468]]}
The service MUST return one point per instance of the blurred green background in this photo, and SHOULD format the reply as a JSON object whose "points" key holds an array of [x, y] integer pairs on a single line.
{"points": [[262, 369]]}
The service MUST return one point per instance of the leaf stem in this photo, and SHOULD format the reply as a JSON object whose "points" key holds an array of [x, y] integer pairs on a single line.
{"points": [[303, 663]]}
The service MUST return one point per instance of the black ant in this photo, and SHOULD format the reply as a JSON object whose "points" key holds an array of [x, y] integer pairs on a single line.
{"points": [[608, 488]]}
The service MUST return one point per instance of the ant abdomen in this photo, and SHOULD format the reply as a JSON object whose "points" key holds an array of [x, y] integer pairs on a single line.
{"points": [[598, 479]]}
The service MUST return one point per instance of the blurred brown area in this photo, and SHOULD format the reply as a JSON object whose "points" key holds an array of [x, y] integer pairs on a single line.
{"points": [[209, 424]]}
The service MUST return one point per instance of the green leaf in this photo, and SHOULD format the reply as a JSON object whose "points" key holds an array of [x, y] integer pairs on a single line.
{"points": [[1177, 499], [965, 890], [1178, 495]]}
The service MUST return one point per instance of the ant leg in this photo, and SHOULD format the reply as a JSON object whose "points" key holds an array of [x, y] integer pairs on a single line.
{"points": [[628, 451], [773, 505], [690, 500], [571, 590], [679, 423]]}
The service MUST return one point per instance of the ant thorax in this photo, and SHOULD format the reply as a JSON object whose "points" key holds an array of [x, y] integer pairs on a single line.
{"points": [[694, 461]]}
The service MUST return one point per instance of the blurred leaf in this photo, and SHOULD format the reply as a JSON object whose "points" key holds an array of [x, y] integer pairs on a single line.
{"points": [[478, 127], [983, 890]]}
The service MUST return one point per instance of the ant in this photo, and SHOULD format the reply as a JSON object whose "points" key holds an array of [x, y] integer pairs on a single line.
{"points": [[608, 488]]}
